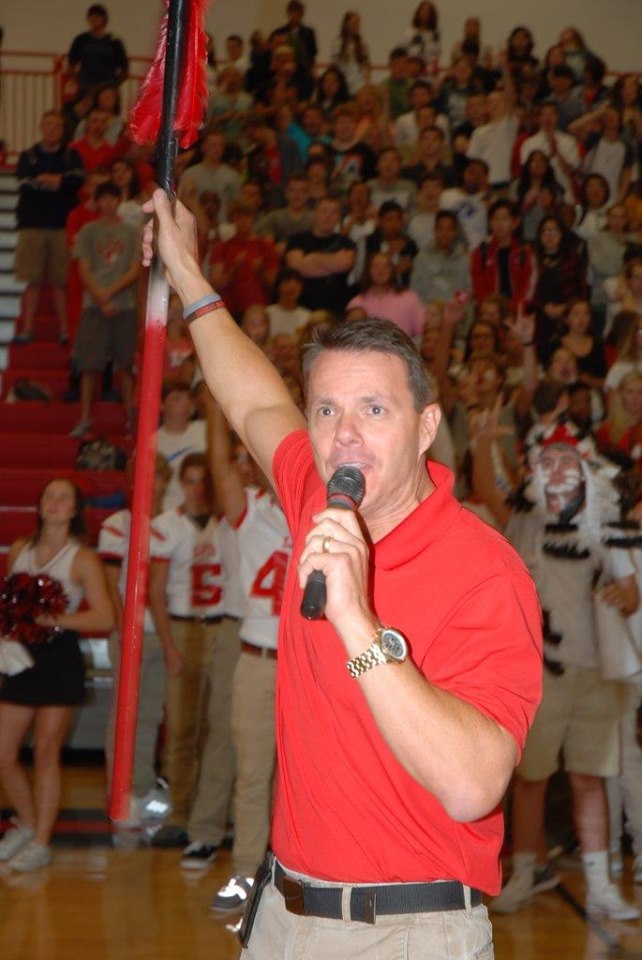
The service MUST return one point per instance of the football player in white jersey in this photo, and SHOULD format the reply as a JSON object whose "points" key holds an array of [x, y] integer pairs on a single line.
{"points": [[264, 549], [186, 581]]}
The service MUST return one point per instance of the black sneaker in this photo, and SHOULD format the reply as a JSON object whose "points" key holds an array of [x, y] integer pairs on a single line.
{"points": [[170, 835], [198, 856], [233, 896]]}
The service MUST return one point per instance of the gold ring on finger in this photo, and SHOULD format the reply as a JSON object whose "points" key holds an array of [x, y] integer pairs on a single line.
{"points": [[325, 546]]}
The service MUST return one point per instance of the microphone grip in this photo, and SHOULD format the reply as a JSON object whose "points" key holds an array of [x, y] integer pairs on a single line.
{"points": [[314, 596]]}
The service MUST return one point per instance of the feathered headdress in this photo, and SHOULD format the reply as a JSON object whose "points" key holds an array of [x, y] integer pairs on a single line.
{"points": [[601, 497]]}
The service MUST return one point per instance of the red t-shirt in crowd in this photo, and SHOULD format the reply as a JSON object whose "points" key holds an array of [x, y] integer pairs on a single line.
{"points": [[146, 175], [275, 169], [345, 807], [248, 286], [102, 156]]}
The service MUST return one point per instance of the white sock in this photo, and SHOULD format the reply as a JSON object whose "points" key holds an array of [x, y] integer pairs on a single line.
{"points": [[596, 870], [524, 863]]}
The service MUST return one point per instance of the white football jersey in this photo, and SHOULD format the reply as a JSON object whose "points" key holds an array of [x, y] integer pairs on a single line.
{"points": [[265, 547], [197, 567], [233, 598], [113, 547]]}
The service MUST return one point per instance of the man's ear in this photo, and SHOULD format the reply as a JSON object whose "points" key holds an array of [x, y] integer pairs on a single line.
{"points": [[430, 418]]}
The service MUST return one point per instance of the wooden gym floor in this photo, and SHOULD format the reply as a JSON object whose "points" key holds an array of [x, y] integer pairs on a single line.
{"points": [[98, 901]]}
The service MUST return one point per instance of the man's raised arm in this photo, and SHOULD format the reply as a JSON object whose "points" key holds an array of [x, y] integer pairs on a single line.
{"points": [[250, 391]]}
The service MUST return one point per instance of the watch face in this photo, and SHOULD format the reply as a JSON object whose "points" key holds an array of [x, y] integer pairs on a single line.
{"points": [[394, 644]]}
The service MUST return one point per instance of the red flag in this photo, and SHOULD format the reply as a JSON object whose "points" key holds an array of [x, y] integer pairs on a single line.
{"points": [[145, 116]]}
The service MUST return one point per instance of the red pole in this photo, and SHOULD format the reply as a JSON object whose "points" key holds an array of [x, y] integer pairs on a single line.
{"points": [[155, 327], [138, 561]]}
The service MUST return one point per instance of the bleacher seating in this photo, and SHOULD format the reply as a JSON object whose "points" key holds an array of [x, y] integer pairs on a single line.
{"points": [[34, 441]]}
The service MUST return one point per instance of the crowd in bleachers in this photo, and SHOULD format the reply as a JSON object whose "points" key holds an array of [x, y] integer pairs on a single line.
{"points": [[458, 189], [488, 202]]}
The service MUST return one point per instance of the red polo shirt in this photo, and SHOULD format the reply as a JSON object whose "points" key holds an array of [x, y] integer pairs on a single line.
{"points": [[345, 808]]}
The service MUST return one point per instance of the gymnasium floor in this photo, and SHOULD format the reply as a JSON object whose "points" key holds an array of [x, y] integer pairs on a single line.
{"points": [[98, 901]]}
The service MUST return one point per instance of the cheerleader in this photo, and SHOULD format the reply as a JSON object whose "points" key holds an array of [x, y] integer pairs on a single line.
{"points": [[44, 695]]}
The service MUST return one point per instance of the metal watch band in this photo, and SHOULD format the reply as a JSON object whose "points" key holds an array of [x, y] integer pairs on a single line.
{"points": [[371, 657]]}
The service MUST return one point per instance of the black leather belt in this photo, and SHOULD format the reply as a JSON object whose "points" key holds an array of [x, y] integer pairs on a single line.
{"points": [[205, 620], [366, 902]]}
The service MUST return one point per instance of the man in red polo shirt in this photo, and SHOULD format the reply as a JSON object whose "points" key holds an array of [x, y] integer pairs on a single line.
{"points": [[387, 814]]}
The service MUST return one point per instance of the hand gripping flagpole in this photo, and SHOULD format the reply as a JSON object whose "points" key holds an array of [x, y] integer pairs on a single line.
{"points": [[173, 76]]}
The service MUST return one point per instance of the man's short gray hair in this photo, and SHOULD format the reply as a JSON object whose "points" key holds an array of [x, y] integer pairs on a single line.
{"points": [[381, 336]]}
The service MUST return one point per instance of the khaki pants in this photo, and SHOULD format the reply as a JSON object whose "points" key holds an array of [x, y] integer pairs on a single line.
{"points": [[455, 934], [186, 706], [579, 714], [41, 254], [151, 701], [253, 734], [211, 787]]}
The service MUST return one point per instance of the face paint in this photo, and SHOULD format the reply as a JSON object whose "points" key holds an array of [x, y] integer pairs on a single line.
{"points": [[562, 478]]}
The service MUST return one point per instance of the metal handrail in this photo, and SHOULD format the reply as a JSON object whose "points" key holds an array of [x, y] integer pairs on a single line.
{"points": [[27, 92]]}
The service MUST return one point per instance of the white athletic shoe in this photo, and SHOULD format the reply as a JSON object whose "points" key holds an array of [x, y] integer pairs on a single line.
{"points": [[616, 863], [32, 857], [609, 902], [14, 840], [233, 896], [156, 805], [516, 894], [522, 887]]}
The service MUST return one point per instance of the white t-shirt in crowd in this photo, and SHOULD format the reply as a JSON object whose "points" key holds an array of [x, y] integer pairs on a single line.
{"points": [[566, 146], [618, 371], [493, 143], [175, 447], [421, 228], [471, 212], [286, 321]]}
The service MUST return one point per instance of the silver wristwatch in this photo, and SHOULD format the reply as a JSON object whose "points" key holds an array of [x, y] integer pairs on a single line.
{"points": [[388, 646]]}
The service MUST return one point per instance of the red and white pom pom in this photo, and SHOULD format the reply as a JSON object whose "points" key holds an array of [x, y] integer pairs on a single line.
{"points": [[24, 598]]}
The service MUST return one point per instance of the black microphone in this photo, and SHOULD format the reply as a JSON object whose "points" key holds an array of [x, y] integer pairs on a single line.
{"points": [[346, 488]]}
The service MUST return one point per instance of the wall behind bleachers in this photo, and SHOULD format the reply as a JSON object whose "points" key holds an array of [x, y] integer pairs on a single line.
{"points": [[612, 29]]}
